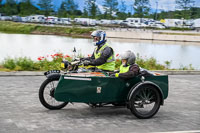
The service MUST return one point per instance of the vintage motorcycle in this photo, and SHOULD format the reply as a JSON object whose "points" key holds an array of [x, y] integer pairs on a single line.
{"points": [[142, 94]]}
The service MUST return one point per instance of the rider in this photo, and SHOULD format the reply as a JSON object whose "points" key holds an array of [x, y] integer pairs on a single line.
{"points": [[103, 55], [128, 69]]}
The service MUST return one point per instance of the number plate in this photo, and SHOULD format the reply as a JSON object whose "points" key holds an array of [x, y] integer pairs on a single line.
{"points": [[51, 71]]}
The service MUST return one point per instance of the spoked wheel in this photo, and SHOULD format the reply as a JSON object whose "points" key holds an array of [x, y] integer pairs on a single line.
{"points": [[145, 101], [46, 95]]}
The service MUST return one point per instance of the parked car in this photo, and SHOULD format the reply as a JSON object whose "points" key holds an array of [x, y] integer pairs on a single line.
{"points": [[37, 19], [24, 19], [79, 20], [155, 24], [105, 22], [6, 18], [51, 20], [118, 21], [88, 22], [173, 22], [136, 25], [160, 25], [196, 23], [58, 21], [124, 23], [66, 21], [16, 19]]}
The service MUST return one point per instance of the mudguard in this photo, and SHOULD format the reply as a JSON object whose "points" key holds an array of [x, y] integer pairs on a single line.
{"points": [[53, 76], [134, 88]]}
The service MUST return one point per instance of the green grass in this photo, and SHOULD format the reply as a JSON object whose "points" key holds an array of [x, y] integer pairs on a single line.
{"points": [[13, 27]]}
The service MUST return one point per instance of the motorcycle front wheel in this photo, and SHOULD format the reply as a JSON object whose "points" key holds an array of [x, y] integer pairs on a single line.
{"points": [[46, 95]]}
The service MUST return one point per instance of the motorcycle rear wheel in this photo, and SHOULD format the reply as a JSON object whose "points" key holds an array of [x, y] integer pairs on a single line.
{"points": [[145, 102], [46, 95]]}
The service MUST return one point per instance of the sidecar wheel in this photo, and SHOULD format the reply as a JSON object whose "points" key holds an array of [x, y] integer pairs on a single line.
{"points": [[46, 95], [145, 101]]}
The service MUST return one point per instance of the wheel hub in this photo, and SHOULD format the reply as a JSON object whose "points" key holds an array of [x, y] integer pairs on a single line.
{"points": [[52, 92]]}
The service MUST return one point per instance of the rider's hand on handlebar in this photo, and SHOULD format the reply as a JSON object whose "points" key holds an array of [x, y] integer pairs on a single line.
{"points": [[82, 59], [86, 63]]}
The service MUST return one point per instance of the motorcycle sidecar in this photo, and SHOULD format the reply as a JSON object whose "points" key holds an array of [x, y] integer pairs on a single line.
{"points": [[142, 95]]}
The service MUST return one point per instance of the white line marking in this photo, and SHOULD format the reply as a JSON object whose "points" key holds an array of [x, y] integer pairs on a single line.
{"points": [[191, 131]]}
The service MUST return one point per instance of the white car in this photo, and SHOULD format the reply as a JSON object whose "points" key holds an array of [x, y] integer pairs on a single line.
{"points": [[6, 18], [51, 20], [136, 25], [66, 21], [37, 19], [24, 19], [160, 25]]}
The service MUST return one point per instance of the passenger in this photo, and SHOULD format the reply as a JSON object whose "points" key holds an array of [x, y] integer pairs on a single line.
{"points": [[103, 55], [128, 68]]}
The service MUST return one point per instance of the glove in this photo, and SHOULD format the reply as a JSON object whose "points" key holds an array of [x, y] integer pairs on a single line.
{"points": [[116, 74], [86, 63], [112, 75], [82, 59]]}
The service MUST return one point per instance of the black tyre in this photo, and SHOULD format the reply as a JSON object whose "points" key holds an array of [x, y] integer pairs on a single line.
{"points": [[145, 101], [46, 95]]}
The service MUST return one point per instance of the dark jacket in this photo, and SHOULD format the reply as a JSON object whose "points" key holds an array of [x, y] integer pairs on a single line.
{"points": [[133, 71]]}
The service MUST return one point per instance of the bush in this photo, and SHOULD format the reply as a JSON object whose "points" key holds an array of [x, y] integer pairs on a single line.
{"points": [[20, 64], [9, 63], [25, 64], [149, 63], [52, 62]]}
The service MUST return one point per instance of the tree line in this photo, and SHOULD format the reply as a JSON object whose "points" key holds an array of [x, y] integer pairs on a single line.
{"points": [[113, 9]]}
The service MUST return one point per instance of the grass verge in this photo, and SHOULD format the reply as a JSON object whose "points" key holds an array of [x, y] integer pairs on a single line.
{"points": [[13, 27], [52, 62]]}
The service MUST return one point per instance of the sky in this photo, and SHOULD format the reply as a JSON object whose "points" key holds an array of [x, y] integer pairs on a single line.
{"points": [[163, 5]]}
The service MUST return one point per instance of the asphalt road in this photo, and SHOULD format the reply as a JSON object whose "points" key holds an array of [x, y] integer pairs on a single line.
{"points": [[21, 111]]}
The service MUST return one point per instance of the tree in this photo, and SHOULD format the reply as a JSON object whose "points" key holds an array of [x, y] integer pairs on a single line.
{"points": [[195, 12], [71, 7], [110, 7], [10, 7], [46, 6], [91, 9], [68, 7], [27, 8], [85, 12], [0, 5], [122, 11], [185, 5], [141, 8], [62, 10]]}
